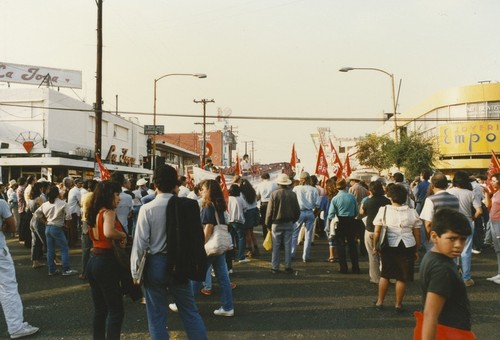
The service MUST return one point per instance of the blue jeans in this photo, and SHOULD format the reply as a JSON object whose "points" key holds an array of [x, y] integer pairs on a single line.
{"points": [[207, 284], [466, 256], [103, 273], [282, 233], [156, 282], [220, 268], [307, 217], [54, 234], [240, 232]]}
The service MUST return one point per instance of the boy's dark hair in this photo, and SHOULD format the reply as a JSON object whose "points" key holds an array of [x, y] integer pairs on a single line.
{"points": [[265, 176], [165, 178], [397, 193], [447, 219]]}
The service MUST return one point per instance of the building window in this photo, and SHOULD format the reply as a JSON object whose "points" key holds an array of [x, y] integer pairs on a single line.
{"points": [[476, 110], [120, 132], [494, 110]]}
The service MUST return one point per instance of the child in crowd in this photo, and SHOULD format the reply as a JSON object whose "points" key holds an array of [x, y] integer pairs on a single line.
{"points": [[443, 291]]}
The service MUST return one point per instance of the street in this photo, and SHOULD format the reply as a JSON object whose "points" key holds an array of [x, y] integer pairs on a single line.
{"points": [[315, 302]]}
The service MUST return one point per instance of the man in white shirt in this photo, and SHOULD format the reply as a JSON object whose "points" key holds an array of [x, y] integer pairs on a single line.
{"points": [[264, 191], [183, 189], [307, 195], [245, 166], [74, 206], [470, 206], [148, 236]]}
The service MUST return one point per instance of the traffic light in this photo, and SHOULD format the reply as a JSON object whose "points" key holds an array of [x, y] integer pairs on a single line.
{"points": [[149, 146]]}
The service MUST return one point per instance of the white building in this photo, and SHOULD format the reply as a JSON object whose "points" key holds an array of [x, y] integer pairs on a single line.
{"points": [[44, 132]]}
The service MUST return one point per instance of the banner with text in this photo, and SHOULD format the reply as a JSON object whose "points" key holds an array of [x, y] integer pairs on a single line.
{"points": [[37, 75], [464, 138]]}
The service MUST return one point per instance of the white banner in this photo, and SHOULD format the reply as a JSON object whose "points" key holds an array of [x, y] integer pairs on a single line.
{"points": [[36, 75]]}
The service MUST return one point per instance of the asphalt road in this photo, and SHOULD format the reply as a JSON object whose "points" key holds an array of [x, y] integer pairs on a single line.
{"points": [[313, 303]]}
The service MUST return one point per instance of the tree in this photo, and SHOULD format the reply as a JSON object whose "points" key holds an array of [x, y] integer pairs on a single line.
{"points": [[413, 153], [373, 151]]}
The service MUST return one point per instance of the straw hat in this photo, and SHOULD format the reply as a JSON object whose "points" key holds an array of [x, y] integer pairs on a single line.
{"points": [[283, 179]]}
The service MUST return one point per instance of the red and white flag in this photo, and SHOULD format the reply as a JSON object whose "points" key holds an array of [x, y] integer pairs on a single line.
{"points": [[293, 159], [321, 163], [494, 168], [102, 169], [336, 164], [223, 186], [347, 167]]}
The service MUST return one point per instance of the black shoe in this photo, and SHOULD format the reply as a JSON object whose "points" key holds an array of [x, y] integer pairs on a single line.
{"points": [[399, 310], [289, 270], [356, 271], [378, 307], [274, 271]]}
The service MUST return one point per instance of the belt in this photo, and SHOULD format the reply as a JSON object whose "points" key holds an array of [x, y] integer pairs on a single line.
{"points": [[101, 251]]}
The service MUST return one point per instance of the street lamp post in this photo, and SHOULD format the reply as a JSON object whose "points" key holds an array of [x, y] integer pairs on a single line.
{"points": [[197, 75], [347, 69]]}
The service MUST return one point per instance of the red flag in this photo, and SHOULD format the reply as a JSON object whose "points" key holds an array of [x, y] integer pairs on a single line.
{"points": [[102, 169], [336, 164], [321, 163], [494, 168], [293, 160], [237, 170], [223, 186], [347, 167]]}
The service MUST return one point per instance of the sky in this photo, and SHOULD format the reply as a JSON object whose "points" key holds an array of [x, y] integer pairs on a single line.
{"points": [[262, 58]]}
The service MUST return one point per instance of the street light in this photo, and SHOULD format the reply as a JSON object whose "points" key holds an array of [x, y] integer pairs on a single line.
{"points": [[347, 69], [197, 75]]}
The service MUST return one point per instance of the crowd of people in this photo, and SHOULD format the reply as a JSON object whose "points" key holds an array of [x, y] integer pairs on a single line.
{"points": [[390, 221]]}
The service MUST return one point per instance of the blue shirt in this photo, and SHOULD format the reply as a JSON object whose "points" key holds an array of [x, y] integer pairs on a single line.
{"points": [[307, 196], [343, 205]]}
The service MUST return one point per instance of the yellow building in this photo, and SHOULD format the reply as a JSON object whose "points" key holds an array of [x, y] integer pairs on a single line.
{"points": [[464, 120]]}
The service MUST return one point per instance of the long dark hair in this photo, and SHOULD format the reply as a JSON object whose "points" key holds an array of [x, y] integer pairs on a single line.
{"points": [[214, 196], [248, 191], [103, 197]]}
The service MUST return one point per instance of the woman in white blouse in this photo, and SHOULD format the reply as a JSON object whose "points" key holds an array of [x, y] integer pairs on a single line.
{"points": [[402, 244]]}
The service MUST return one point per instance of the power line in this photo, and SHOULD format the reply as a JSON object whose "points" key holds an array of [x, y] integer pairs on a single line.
{"points": [[267, 117]]}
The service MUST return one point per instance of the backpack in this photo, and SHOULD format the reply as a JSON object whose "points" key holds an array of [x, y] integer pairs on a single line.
{"points": [[186, 256]]}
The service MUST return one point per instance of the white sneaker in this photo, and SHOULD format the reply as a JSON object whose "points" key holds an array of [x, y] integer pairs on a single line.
{"points": [[244, 261], [497, 281], [474, 251], [173, 307], [69, 272], [25, 331], [222, 312], [493, 278]]}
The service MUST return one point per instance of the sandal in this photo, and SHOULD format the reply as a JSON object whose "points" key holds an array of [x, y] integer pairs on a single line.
{"points": [[332, 259]]}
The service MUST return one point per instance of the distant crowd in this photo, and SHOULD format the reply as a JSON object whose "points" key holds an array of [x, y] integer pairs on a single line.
{"points": [[128, 235]]}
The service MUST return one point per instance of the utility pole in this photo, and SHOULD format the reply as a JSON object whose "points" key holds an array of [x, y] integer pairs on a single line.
{"points": [[98, 79], [204, 147]]}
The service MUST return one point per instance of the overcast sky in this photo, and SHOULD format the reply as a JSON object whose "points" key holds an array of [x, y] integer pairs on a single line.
{"points": [[273, 58]]}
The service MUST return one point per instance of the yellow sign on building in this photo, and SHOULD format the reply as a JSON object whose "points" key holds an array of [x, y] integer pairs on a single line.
{"points": [[470, 137]]}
